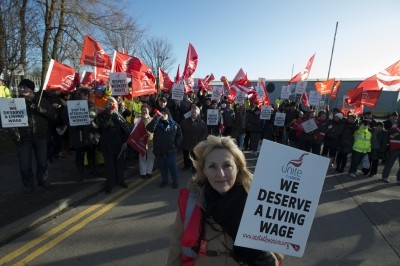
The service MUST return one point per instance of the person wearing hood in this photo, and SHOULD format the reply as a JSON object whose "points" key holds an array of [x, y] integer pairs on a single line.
{"points": [[167, 136]]}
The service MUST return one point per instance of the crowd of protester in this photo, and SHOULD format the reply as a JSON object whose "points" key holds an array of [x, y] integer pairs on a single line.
{"points": [[174, 126]]}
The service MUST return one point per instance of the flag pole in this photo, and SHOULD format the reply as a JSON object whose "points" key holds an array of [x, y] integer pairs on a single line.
{"points": [[330, 62]]}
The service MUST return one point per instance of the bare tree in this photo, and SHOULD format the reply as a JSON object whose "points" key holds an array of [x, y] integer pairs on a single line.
{"points": [[157, 52]]}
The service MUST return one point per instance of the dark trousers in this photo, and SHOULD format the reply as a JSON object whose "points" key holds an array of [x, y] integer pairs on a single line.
{"points": [[168, 164], [25, 150], [393, 155], [356, 158], [341, 160], [80, 158], [113, 169]]}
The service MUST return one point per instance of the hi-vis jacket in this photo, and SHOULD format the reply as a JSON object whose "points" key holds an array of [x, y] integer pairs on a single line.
{"points": [[362, 140]]}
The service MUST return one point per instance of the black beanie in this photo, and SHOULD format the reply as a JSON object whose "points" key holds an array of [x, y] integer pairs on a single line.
{"points": [[27, 83]]}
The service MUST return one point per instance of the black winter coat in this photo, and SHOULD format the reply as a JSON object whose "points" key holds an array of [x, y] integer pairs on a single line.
{"points": [[167, 136]]}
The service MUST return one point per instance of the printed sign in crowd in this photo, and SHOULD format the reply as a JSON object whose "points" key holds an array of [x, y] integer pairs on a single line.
{"points": [[212, 117], [178, 90], [78, 113], [282, 200], [13, 112], [266, 112], [119, 83]]}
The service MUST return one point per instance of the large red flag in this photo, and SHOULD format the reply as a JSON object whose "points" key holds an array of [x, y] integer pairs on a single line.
{"points": [[266, 97], [165, 82], [241, 82], [232, 91], [325, 87], [60, 77], [203, 83], [87, 79], [335, 90], [387, 79], [191, 62], [137, 140], [354, 95], [303, 75], [370, 98], [93, 54], [143, 80]]}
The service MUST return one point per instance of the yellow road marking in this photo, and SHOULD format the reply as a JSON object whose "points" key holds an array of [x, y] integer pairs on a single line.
{"points": [[59, 227], [77, 227], [70, 221]]}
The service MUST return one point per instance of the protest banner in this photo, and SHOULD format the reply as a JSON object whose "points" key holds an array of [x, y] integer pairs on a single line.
{"points": [[119, 83], [13, 112], [78, 113], [286, 92], [282, 200], [301, 87], [309, 125], [314, 98], [240, 96], [265, 112], [178, 90], [212, 117], [279, 119], [216, 92]]}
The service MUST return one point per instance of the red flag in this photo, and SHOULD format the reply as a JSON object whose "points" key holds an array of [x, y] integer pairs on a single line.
{"points": [[387, 79], [303, 75], [186, 87], [370, 98], [266, 97], [304, 99], [60, 77], [208, 79], [87, 78], [177, 77], [241, 82], [165, 82], [191, 62], [335, 90], [143, 80], [93, 54], [232, 91], [354, 95], [325, 87], [138, 138]]}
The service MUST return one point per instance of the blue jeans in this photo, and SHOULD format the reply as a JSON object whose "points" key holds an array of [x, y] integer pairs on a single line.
{"points": [[168, 163], [24, 150], [392, 156]]}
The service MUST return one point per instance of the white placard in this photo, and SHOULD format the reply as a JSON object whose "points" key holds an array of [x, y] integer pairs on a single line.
{"points": [[78, 113], [178, 90], [212, 117], [279, 119], [13, 112], [216, 92], [266, 112], [260, 92], [301, 87], [285, 92], [282, 200], [314, 98], [309, 125], [240, 96], [119, 83]]}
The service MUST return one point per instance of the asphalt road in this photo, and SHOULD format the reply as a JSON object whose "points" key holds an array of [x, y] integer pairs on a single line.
{"points": [[357, 223]]}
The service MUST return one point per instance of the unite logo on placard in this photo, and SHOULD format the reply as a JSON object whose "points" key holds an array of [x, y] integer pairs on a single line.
{"points": [[291, 169]]}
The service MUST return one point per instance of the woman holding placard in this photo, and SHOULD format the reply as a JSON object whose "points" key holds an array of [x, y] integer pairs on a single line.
{"points": [[210, 209]]}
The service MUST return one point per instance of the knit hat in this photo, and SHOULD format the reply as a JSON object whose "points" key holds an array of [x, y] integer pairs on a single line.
{"points": [[27, 83]]}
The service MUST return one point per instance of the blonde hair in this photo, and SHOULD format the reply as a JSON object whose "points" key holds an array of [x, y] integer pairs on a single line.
{"points": [[204, 148]]}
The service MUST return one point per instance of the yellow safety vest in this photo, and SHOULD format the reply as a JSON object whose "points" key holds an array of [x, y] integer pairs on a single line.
{"points": [[4, 92], [362, 140]]}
